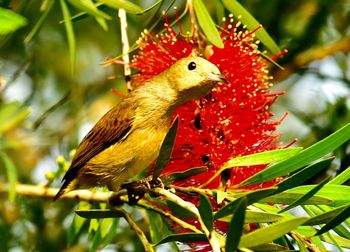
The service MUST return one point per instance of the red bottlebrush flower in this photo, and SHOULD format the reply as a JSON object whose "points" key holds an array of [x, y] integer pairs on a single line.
{"points": [[233, 120]]}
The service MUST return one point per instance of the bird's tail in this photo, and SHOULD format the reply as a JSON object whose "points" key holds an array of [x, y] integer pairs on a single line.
{"points": [[64, 189]]}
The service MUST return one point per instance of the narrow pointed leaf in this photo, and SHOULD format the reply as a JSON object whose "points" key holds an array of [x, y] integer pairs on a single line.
{"points": [[70, 33], [305, 174], [34, 31], [305, 197], [303, 158], [178, 176], [236, 226], [325, 217], [123, 4], [99, 214], [206, 212], [252, 197], [207, 24], [270, 233], [10, 21], [340, 194], [165, 150], [265, 157], [290, 197], [256, 217], [338, 219], [247, 19], [185, 237], [11, 173], [90, 8], [341, 178]]}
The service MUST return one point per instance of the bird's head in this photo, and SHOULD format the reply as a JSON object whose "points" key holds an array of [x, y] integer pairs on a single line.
{"points": [[193, 77]]}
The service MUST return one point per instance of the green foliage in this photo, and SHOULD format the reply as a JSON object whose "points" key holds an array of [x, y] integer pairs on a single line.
{"points": [[10, 21], [33, 36]]}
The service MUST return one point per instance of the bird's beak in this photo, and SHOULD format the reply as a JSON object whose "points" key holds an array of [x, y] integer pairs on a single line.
{"points": [[217, 77]]}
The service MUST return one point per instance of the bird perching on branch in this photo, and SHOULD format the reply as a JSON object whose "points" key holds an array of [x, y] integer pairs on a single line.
{"points": [[129, 136]]}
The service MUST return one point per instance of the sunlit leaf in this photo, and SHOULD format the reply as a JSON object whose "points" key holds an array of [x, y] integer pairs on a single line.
{"points": [[305, 197], [247, 19], [10, 21], [336, 220], [236, 226], [252, 197], [340, 194], [207, 24], [305, 174], [270, 233], [326, 217], [77, 223], [256, 217], [303, 158], [341, 178], [290, 197]]}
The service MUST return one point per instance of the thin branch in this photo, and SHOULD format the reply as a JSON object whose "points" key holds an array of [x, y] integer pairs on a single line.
{"points": [[147, 246], [125, 46], [214, 243]]}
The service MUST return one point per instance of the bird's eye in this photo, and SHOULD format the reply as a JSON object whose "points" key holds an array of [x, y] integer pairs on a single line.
{"points": [[191, 65]]}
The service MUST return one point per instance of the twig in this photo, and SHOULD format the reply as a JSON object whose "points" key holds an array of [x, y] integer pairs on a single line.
{"points": [[214, 243], [138, 231], [125, 46]]}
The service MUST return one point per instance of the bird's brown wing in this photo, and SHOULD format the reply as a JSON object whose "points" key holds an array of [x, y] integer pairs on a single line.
{"points": [[113, 127]]}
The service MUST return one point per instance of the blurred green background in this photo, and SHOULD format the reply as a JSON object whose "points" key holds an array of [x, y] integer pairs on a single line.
{"points": [[36, 79]]}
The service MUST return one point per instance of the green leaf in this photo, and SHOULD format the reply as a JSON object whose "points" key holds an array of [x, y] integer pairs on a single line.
{"points": [[305, 197], [303, 158], [11, 175], [11, 115], [247, 19], [40, 22], [341, 178], [236, 226], [290, 197], [265, 157], [207, 24], [165, 150], [345, 243], [336, 220], [326, 217], [206, 212], [252, 197], [77, 223], [99, 213], [256, 217], [185, 237], [90, 8], [171, 178], [305, 174], [70, 33], [340, 194], [123, 4], [270, 233], [10, 21]]}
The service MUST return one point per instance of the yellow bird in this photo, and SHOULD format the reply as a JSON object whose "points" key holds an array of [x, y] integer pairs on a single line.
{"points": [[129, 136]]}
